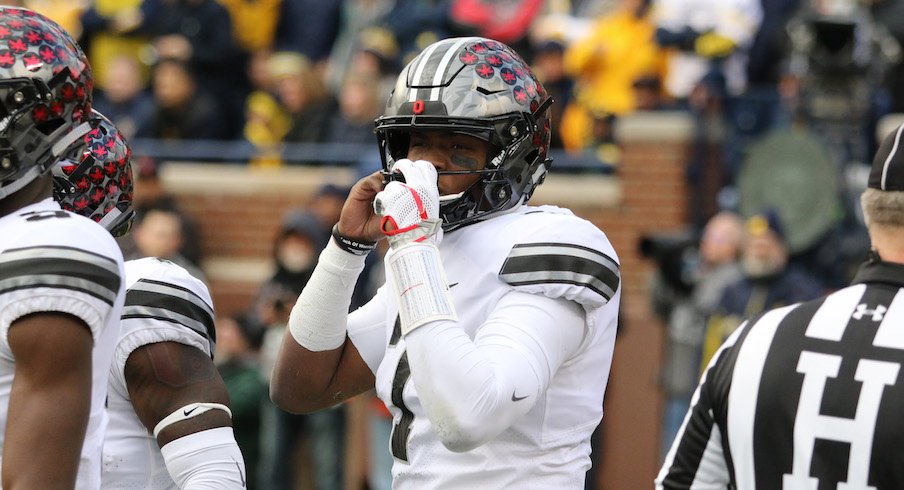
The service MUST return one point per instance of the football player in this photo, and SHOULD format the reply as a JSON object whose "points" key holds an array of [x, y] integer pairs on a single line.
{"points": [[61, 275], [170, 425], [492, 339]]}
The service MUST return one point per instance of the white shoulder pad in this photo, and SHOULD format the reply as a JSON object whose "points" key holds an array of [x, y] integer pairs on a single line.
{"points": [[559, 255], [58, 261], [164, 295]]}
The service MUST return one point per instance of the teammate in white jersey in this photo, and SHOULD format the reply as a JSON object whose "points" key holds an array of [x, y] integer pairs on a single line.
{"points": [[61, 275], [492, 339], [170, 424]]}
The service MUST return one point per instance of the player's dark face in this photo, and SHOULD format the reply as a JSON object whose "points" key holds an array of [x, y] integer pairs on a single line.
{"points": [[450, 151]]}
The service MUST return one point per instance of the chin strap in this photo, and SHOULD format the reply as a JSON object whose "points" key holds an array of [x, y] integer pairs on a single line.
{"points": [[68, 139]]}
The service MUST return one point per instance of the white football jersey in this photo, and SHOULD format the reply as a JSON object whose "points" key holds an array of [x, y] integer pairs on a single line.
{"points": [[54, 260], [542, 250], [164, 303]]}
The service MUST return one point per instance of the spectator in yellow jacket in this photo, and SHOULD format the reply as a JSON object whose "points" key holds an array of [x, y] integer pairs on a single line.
{"points": [[619, 50]]}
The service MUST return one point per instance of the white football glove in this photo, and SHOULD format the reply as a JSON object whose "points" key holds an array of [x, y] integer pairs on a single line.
{"points": [[410, 209]]}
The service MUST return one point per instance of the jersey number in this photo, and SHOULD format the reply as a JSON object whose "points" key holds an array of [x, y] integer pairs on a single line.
{"points": [[401, 429], [858, 432], [42, 215]]}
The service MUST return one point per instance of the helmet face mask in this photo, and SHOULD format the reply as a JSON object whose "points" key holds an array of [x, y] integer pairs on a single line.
{"points": [[45, 96], [96, 182], [479, 87]]}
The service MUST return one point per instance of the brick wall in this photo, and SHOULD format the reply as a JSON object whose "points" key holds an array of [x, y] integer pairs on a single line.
{"points": [[238, 210]]}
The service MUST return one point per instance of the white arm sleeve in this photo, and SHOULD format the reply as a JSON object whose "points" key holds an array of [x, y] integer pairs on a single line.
{"points": [[474, 390], [367, 329], [318, 319], [209, 459]]}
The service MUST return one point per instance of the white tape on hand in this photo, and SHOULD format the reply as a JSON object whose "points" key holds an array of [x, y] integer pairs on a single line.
{"points": [[419, 280]]}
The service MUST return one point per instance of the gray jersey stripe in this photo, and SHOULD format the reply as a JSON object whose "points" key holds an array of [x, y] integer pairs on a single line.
{"points": [[564, 249], [59, 282], [133, 312], [75, 269], [64, 253], [570, 277], [172, 290]]}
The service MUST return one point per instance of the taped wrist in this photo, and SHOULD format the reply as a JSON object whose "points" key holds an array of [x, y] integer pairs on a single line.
{"points": [[209, 459], [187, 412], [428, 229], [419, 281], [318, 319]]}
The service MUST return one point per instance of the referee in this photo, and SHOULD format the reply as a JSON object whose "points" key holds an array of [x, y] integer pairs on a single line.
{"points": [[811, 396]]}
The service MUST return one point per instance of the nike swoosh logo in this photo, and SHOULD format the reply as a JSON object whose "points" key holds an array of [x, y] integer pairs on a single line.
{"points": [[188, 412], [453, 285], [518, 398]]}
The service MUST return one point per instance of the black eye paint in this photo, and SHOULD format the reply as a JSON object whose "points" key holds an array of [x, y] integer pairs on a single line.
{"points": [[464, 161]]}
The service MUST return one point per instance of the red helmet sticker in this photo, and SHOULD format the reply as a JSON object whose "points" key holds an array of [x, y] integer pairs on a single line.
{"points": [[479, 48], [33, 37], [96, 175], [520, 94], [418, 107], [519, 70], [508, 76], [484, 70], [468, 57], [17, 45]]}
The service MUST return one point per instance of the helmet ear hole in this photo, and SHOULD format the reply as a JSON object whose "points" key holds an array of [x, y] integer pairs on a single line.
{"points": [[47, 128]]}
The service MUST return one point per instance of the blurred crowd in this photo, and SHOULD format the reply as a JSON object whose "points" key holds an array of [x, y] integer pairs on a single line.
{"points": [[270, 72], [785, 97]]}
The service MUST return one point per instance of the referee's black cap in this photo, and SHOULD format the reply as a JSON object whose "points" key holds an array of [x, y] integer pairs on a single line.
{"points": [[887, 173]]}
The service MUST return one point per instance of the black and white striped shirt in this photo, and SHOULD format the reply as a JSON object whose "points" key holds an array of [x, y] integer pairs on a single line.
{"points": [[809, 396]]}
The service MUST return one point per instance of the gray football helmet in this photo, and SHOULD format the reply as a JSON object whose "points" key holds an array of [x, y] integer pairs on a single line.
{"points": [[99, 183], [45, 96], [481, 87]]}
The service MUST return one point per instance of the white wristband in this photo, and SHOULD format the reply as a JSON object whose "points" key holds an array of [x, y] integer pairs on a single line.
{"points": [[419, 281], [318, 319], [187, 412]]}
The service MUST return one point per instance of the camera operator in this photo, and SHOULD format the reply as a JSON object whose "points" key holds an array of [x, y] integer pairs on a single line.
{"points": [[687, 285], [840, 56]]}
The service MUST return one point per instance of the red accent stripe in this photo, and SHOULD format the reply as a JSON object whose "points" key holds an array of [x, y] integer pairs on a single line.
{"points": [[420, 204]]}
